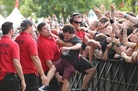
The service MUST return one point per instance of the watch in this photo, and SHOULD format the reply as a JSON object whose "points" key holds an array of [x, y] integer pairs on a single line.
{"points": [[119, 44]]}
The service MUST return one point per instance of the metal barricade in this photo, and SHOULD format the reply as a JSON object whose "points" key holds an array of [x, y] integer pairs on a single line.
{"points": [[111, 75]]}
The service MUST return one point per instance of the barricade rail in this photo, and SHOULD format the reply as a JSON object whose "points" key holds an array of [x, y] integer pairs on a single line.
{"points": [[111, 75]]}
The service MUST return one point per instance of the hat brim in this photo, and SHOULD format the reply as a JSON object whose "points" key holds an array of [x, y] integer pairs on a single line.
{"points": [[22, 28]]}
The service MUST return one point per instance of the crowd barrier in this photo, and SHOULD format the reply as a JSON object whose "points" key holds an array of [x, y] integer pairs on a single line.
{"points": [[111, 75]]}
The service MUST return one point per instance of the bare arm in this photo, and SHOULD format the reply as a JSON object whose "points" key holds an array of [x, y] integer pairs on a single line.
{"points": [[116, 29], [131, 18], [97, 12], [49, 63], [19, 71], [86, 39], [94, 43], [128, 17], [38, 66], [125, 38], [62, 43], [112, 21], [75, 47]]}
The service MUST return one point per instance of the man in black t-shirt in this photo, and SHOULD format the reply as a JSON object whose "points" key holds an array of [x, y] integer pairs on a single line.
{"points": [[71, 42], [65, 63]]}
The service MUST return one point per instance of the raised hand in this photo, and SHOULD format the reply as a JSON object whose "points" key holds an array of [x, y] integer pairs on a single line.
{"points": [[112, 6]]}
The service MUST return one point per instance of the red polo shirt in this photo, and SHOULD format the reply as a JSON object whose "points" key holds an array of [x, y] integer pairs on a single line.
{"points": [[80, 34], [8, 50], [28, 47], [47, 50]]}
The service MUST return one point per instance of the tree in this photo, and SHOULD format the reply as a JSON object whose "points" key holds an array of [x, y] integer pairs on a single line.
{"points": [[127, 5], [63, 8]]}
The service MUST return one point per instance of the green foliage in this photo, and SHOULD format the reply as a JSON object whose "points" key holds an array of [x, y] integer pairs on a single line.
{"points": [[63, 8], [6, 6]]}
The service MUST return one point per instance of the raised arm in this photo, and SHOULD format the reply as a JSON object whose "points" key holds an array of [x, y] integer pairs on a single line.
{"points": [[128, 17], [112, 21], [125, 38]]}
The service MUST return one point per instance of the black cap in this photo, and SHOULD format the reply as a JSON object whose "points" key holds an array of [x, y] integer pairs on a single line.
{"points": [[25, 24]]}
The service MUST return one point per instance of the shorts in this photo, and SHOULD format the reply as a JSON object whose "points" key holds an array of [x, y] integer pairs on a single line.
{"points": [[83, 65], [64, 66], [83, 46]]}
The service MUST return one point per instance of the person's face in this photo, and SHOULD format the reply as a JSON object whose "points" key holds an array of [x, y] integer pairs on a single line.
{"points": [[67, 36], [77, 22], [101, 25], [93, 26], [45, 31], [109, 28], [134, 37]]}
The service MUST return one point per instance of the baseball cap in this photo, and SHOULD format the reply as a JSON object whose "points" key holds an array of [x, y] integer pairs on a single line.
{"points": [[25, 24]]}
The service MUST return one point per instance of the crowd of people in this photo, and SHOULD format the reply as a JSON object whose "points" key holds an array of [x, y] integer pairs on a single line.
{"points": [[54, 53]]}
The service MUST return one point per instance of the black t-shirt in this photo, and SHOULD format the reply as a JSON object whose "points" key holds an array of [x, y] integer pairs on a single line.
{"points": [[73, 55], [104, 44]]}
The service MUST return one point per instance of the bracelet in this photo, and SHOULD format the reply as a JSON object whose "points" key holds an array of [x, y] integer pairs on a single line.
{"points": [[86, 31], [112, 10], [111, 21], [125, 15]]}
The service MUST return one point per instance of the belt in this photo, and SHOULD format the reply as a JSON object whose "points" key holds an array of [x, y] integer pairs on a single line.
{"points": [[10, 74]]}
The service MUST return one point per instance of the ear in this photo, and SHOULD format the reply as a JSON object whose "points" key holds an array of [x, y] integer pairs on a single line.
{"points": [[29, 27], [11, 31]]}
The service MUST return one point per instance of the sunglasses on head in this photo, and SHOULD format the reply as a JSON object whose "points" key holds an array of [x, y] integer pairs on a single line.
{"points": [[77, 22]]}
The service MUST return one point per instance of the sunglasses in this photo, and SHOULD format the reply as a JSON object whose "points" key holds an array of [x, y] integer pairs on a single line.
{"points": [[77, 22]]}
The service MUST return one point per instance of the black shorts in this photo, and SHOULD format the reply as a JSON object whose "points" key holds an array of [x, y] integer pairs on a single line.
{"points": [[83, 65], [83, 46], [10, 83]]}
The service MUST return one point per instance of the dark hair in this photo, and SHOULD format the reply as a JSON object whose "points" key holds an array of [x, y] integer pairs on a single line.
{"points": [[6, 27], [71, 19], [68, 28], [39, 27], [103, 20]]}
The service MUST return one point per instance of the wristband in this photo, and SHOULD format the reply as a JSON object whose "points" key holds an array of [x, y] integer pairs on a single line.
{"points": [[112, 10], [111, 21], [125, 15]]}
